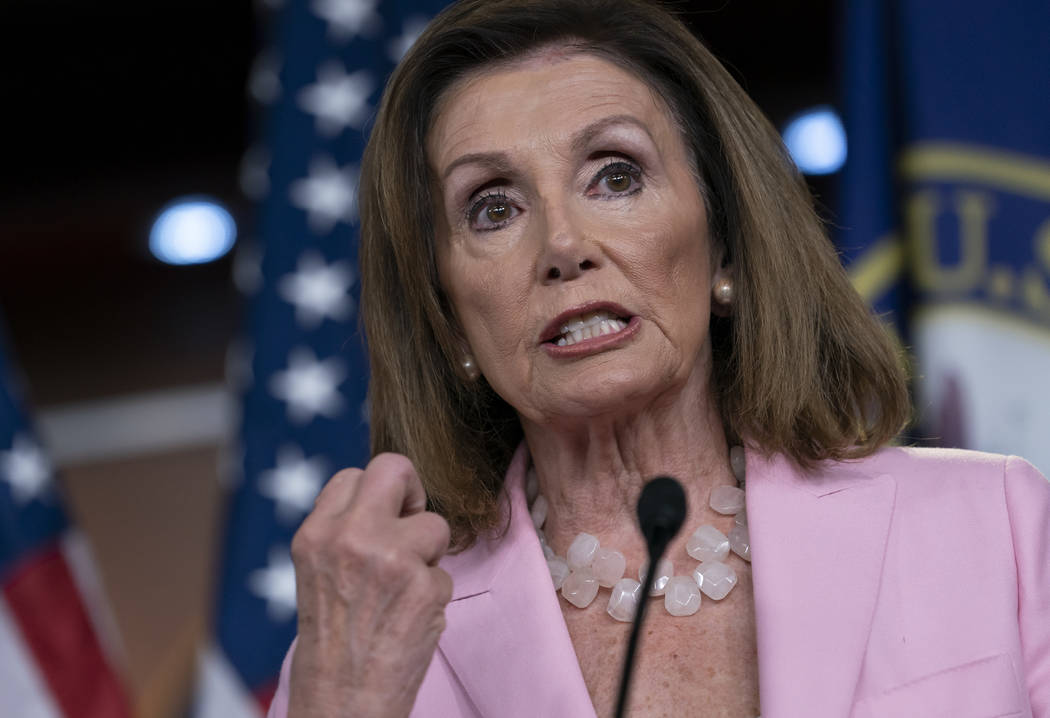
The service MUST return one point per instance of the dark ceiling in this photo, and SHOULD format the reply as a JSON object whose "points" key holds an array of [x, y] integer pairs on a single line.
{"points": [[116, 107]]}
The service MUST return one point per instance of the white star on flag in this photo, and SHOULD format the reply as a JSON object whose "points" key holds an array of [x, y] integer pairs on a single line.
{"points": [[309, 386], [328, 194], [276, 584], [411, 29], [338, 100], [26, 469], [318, 290], [347, 18], [294, 483]]}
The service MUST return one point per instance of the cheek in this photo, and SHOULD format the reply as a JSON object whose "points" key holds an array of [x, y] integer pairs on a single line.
{"points": [[671, 258], [490, 306]]}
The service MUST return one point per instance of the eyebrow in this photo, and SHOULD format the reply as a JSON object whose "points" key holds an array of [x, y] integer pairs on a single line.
{"points": [[495, 161], [499, 161], [585, 136]]}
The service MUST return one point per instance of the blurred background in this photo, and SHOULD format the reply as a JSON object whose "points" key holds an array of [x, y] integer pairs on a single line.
{"points": [[177, 285]]}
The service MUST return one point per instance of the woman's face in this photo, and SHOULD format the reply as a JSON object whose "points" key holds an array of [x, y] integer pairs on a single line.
{"points": [[566, 198]]}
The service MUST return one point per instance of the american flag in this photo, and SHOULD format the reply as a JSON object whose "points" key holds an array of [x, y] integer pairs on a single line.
{"points": [[944, 204], [300, 369], [52, 612]]}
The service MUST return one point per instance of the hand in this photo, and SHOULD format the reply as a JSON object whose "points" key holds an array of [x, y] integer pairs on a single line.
{"points": [[371, 597]]}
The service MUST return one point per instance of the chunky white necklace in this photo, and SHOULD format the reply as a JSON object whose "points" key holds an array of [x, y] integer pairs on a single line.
{"points": [[588, 566]]}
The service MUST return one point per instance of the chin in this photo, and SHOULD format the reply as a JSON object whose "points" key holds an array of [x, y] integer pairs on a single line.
{"points": [[622, 392]]}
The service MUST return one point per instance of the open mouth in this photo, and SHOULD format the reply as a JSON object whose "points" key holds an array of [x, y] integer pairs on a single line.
{"points": [[587, 326]]}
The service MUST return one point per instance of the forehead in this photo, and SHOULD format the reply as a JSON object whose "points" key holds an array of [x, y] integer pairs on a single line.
{"points": [[546, 96]]}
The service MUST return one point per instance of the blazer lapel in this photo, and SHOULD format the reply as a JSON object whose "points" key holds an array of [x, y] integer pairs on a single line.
{"points": [[817, 544], [505, 637]]}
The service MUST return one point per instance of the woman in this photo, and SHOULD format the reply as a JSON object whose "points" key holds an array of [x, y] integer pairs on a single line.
{"points": [[587, 259]]}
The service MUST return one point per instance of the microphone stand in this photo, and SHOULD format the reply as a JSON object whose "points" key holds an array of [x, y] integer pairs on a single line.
{"points": [[661, 511]]}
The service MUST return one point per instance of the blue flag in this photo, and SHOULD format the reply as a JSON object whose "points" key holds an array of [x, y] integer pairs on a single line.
{"points": [[301, 367], [945, 205]]}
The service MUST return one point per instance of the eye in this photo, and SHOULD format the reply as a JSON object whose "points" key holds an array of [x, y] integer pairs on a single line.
{"points": [[617, 179], [491, 211]]}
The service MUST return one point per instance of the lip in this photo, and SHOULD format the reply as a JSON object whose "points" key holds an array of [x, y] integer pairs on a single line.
{"points": [[594, 344]]}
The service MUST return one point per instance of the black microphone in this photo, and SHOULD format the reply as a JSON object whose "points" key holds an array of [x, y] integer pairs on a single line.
{"points": [[661, 511]]}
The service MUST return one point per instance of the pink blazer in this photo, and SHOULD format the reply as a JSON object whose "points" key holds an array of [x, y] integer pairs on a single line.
{"points": [[912, 583]]}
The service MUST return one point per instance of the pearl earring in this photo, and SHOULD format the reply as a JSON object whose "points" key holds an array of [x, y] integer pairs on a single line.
{"points": [[470, 368], [723, 291]]}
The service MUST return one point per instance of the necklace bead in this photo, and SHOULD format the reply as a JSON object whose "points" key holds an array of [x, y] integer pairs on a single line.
{"points": [[715, 579], [580, 588], [582, 551], [624, 599], [664, 571], [588, 565], [608, 567], [559, 570], [740, 542], [538, 511], [682, 596], [727, 500], [708, 544]]}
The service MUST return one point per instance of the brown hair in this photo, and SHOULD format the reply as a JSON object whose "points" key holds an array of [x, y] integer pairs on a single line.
{"points": [[801, 366]]}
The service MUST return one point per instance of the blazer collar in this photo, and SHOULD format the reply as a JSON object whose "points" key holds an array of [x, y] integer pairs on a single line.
{"points": [[817, 538], [817, 543], [505, 637]]}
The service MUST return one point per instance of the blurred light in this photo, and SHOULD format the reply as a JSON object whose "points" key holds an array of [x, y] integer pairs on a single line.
{"points": [[816, 140], [192, 231]]}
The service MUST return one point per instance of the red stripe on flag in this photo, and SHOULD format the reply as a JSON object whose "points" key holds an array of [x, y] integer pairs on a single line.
{"points": [[56, 628], [264, 694]]}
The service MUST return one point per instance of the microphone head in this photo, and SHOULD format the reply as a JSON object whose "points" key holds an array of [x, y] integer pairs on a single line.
{"points": [[661, 512]]}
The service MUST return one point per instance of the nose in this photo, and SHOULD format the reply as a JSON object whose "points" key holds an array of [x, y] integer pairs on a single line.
{"points": [[567, 253], [555, 272]]}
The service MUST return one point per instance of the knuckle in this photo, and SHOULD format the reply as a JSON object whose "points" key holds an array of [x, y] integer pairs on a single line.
{"points": [[349, 473], [440, 526], [442, 583], [394, 564], [391, 464], [424, 594], [335, 488], [349, 549], [378, 564], [435, 531], [320, 542], [390, 458], [305, 541]]}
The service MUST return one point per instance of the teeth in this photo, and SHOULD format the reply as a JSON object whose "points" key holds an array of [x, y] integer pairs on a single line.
{"points": [[588, 326], [585, 320]]}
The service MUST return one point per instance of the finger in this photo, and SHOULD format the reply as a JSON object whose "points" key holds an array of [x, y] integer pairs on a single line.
{"points": [[338, 492], [391, 487], [442, 584], [426, 534]]}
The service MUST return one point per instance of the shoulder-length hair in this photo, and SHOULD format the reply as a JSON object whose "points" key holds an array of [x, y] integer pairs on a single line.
{"points": [[800, 367]]}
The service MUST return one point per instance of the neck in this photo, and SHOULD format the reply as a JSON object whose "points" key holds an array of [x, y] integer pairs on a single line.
{"points": [[592, 471]]}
